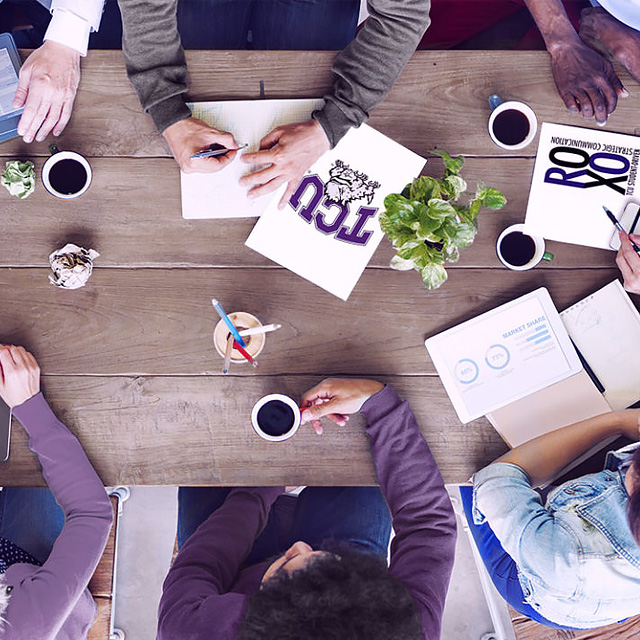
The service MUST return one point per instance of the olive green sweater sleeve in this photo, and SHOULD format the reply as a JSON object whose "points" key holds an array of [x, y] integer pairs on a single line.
{"points": [[363, 73]]}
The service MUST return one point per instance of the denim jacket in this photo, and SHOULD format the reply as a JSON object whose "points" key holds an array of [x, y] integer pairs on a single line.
{"points": [[578, 563]]}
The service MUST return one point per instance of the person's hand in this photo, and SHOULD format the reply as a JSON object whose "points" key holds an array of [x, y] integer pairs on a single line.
{"points": [[186, 137], [47, 87], [19, 375], [628, 262], [288, 152], [335, 399], [586, 82]]}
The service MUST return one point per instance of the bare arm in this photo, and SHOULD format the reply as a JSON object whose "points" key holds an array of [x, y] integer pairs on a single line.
{"points": [[543, 457]]}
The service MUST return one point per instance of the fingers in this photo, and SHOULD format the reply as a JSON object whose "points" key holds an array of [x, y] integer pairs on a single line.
{"points": [[208, 165], [65, 116], [268, 187], [286, 196], [264, 156], [571, 102], [629, 264], [24, 77]]}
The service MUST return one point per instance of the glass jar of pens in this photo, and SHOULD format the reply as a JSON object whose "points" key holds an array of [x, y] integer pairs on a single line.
{"points": [[239, 336]]}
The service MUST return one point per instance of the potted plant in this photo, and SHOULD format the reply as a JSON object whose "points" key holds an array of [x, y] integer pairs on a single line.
{"points": [[431, 220]]}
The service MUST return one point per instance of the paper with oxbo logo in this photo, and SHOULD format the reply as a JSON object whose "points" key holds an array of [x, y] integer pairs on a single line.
{"points": [[577, 172], [329, 229]]}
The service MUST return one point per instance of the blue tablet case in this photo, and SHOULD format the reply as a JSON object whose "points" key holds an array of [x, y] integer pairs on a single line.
{"points": [[9, 122]]}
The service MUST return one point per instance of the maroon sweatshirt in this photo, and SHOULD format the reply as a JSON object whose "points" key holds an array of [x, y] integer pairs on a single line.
{"points": [[52, 602], [206, 591]]}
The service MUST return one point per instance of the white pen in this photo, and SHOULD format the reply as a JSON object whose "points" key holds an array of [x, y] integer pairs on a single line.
{"points": [[262, 329]]}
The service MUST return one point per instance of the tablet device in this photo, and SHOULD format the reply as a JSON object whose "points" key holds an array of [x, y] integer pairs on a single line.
{"points": [[9, 69], [5, 430]]}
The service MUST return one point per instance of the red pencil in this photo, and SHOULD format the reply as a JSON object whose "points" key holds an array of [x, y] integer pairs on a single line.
{"points": [[245, 354]]}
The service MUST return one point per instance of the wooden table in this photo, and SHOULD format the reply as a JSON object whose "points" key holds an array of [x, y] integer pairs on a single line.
{"points": [[128, 361]]}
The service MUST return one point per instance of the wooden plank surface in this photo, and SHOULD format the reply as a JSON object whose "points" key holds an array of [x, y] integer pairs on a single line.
{"points": [[441, 95], [196, 431], [132, 215], [160, 322], [526, 629]]}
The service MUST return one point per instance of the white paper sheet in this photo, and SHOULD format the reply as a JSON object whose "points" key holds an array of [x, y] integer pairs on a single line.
{"points": [[577, 171], [605, 327], [329, 230], [503, 355], [219, 195]]}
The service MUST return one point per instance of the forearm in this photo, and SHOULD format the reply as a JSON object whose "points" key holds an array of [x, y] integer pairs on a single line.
{"points": [[154, 58], [553, 23], [365, 71], [544, 457]]}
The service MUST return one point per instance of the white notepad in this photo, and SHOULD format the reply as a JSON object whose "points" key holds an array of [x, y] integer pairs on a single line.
{"points": [[219, 195], [605, 327]]}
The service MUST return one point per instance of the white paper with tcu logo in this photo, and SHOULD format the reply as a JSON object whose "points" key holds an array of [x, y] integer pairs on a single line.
{"points": [[577, 171], [329, 229]]}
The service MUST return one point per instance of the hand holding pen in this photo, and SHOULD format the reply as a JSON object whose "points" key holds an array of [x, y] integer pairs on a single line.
{"points": [[215, 150], [628, 261]]}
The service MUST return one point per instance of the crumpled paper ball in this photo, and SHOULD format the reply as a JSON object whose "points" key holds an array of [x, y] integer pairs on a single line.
{"points": [[72, 266], [19, 178]]}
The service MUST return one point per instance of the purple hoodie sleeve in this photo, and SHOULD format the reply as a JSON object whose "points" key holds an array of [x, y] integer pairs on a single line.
{"points": [[423, 548], [41, 603], [195, 591]]}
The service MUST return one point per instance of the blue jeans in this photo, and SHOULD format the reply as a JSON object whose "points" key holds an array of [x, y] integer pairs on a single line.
{"points": [[358, 516], [303, 25], [31, 519], [501, 567]]}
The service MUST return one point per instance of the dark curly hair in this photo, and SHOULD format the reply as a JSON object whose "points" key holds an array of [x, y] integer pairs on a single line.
{"points": [[345, 595], [633, 506]]}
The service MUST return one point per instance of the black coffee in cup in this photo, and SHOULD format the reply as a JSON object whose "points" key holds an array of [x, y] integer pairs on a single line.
{"points": [[275, 418], [517, 248], [68, 176], [511, 127]]}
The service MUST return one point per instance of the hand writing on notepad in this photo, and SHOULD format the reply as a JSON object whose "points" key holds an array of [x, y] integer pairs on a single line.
{"points": [[287, 152], [628, 262], [186, 137]]}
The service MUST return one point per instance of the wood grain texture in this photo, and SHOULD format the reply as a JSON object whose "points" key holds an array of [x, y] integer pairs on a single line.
{"points": [[526, 629], [101, 583], [442, 96], [101, 627], [160, 321], [196, 431], [132, 215]]}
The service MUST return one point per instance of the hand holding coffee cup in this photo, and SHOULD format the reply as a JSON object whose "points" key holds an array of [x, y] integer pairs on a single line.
{"points": [[66, 174], [520, 251], [512, 125]]}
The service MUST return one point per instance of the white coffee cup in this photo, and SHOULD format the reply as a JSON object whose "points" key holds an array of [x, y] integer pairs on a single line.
{"points": [[537, 250], [79, 182], [520, 115], [258, 416]]}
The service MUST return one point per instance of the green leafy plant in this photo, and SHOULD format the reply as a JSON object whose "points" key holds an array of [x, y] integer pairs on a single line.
{"points": [[429, 222]]}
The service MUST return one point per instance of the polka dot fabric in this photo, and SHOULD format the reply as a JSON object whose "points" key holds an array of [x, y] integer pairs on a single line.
{"points": [[13, 554]]}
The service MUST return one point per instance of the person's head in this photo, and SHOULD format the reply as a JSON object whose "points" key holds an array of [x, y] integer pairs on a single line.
{"points": [[332, 594], [632, 482]]}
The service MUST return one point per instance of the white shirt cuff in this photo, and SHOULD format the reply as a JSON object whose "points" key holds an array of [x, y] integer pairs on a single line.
{"points": [[69, 29]]}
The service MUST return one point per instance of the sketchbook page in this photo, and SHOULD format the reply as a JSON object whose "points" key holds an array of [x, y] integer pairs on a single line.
{"points": [[329, 229], [573, 399], [577, 171], [219, 195], [503, 355], [605, 327]]}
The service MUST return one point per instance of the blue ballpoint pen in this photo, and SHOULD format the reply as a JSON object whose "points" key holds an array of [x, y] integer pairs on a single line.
{"points": [[234, 332], [215, 150]]}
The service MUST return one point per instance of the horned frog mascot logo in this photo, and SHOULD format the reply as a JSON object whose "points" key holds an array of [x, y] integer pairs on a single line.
{"points": [[345, 184]]}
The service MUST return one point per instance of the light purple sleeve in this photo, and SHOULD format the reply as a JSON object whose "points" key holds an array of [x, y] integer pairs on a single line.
{"points": [[423, 548], [40, 604]]}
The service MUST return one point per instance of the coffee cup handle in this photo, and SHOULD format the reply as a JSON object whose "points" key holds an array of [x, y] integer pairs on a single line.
{"points": [[53, 148], [494, 101]]}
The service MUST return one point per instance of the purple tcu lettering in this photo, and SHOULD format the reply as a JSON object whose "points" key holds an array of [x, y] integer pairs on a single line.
{"points": [[307, 211]]}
